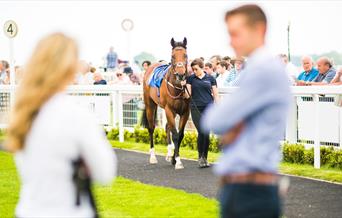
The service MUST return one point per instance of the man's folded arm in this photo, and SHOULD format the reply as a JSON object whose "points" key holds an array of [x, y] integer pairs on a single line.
{"points": [[233, 109]]}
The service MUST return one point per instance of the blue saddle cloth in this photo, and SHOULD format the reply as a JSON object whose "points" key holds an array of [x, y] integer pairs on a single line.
{"points": [[158, 75]]}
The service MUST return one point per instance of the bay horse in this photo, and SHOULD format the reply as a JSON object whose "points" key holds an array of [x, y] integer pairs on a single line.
{"points": [[171, 99]]}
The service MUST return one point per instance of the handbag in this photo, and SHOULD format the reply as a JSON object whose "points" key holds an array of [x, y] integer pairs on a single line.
{"points": [[82, 182]]}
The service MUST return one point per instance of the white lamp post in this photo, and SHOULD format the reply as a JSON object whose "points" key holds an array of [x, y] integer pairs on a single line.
{"points": [[127, 25]]}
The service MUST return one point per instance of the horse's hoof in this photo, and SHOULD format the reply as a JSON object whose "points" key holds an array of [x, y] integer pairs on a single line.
{"points": [[179, 164], [169, 155], [168, 158], [173, 161], [153, 160]]}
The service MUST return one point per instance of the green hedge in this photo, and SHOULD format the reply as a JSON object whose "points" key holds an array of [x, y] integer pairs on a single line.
{"points": [[141, 135], [296, 153], [292, 153]]}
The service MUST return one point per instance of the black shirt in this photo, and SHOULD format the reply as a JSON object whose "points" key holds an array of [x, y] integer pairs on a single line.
{"points": [[201, 90]]}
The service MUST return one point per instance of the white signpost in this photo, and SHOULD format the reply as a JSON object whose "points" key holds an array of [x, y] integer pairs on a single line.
{"points": [[11, 31], [127, 25]]}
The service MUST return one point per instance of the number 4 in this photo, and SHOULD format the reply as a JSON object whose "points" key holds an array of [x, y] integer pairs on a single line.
{"points": [[10, 29]]}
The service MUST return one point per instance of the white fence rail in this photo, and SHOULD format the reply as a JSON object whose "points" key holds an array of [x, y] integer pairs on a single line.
{"points": [[315, 117]]}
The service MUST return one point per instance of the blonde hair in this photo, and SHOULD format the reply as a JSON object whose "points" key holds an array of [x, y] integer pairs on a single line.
{"points": [[50, 69]]}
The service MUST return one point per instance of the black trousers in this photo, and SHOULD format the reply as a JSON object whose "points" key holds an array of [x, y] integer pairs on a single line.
{"points": [[203, 138], [250, 201]]}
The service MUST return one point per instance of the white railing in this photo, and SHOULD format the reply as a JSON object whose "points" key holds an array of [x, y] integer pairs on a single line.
{"points": [[315, 117]]}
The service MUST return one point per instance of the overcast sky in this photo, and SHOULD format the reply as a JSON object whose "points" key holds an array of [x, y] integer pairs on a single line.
{"points": [[97, 25]]}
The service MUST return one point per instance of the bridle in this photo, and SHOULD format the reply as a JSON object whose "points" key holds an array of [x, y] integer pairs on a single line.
{"points": [[168, 83], [179, 77]]}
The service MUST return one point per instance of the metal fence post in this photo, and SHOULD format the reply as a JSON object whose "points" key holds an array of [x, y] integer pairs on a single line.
{"points": [[292, 123], [120, 117], [113, 99], [317, 153]]}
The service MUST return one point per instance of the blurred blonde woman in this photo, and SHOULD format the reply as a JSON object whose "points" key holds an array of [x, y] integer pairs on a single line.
{"points": [[48, 133]]}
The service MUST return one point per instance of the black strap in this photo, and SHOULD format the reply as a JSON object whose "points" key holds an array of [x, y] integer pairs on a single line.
{"points": [[82, 182]]}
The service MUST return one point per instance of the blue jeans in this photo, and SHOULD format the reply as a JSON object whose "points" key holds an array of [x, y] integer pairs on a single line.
{"points": [[249, 201]]}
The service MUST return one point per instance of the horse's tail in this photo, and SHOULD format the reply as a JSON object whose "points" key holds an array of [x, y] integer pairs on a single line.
{"points": [[144, 121]]}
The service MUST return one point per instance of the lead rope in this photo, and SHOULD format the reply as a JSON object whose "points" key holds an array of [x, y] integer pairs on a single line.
{"points": [[190, 96]]}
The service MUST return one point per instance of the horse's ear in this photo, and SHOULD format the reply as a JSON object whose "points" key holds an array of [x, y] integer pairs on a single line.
{"points": [[185, 42], [173, 42]]}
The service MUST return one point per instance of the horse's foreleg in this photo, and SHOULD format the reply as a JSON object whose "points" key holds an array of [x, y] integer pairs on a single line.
{"points": [[182, 123], [170, 116]]}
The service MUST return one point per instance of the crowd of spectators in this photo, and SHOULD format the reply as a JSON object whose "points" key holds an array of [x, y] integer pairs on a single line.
{"points": [[226, 71]]}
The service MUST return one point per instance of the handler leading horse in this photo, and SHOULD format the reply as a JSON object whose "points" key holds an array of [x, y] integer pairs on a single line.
{"points": [[170, 97]]}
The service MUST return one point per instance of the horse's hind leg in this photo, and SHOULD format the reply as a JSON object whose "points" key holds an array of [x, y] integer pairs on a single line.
{"points": [[151, 111], [170, 145]]}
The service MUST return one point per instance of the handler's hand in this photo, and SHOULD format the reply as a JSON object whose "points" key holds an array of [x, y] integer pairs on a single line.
{"points": [[230, 136], [183, 83]]}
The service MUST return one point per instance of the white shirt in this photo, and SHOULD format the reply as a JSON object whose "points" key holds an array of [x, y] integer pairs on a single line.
{"points": [[292, 72], [221, 78], [61, 133]]}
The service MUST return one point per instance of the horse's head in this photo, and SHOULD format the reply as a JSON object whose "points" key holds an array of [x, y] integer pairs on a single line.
{"points": [[179, 59]]}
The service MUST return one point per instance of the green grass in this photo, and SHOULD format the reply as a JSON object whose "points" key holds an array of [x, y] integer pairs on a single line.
{"points": [[124, 198], [127, 198], [9, 185], [325, 173]]}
